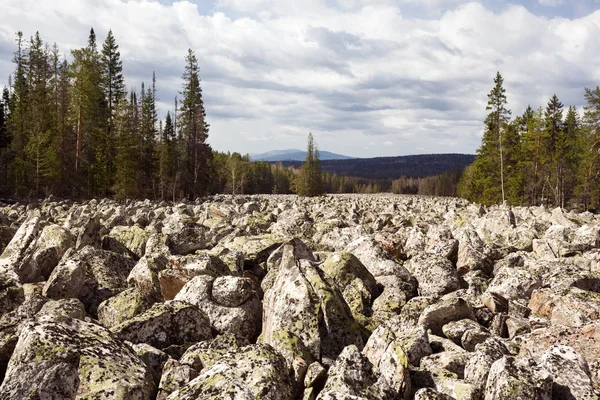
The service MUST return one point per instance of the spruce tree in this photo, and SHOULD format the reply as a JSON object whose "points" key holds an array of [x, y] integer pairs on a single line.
{"points": [[530, 162], [194, 129], [553, 160], [589, 176], [498, 117], [309, 180], [113, 86], [88, 111], [167, 167], [18, 120], [487, 176]]}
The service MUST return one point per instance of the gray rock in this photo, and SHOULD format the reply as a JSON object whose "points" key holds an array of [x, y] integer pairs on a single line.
{"points": [[436, 275], [242, 321], [439, 314], [510, 380], [169, 323], [305, 316], [91, 275], [126, 240], [571, 373], [478, 366], [122, 307], [352, 374], [252, 372], [174, 377], [231, 291], [153, 358], [61, 357], [17, 255]]}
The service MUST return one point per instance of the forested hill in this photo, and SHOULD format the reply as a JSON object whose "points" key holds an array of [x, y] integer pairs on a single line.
{"points": [[415, 166]]}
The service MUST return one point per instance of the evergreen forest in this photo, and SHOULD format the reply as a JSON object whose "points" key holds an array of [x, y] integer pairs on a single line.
{"points": [[69, 128], [546, 156]]}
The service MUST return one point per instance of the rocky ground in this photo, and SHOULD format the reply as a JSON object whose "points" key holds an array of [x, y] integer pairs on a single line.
{"points": [[278, 297]]}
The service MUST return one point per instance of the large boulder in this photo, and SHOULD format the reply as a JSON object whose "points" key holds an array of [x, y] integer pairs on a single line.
{"points": [[91, 275], [129, 241], [305, 316], [54, 241], [181, 269], [509, 379], [63, 358], [122, 307], [165, 324], [439, 314], [352, 374], [571, 373], [252, 372], [17, 255], [435, 274], [358, 287], [242, 321]]}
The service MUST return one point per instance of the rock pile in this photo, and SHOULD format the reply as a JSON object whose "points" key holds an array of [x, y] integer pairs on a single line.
{"points": [[280, 297]]}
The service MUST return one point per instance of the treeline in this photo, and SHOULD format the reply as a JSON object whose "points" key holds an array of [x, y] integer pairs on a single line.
{"points": [[547, 156], [68, 127]]}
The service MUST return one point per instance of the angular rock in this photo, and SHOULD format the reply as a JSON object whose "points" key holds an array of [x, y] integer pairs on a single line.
{"points": [[436, 275], [145, 276], [153, 358], [126, 240], [52, 244], [439, 314], [242, 321], [304, 316], [61, 357], [91, 275], [352, 374], [169, 323], [571, 373], [509, 380], [252, 372], [122, 307], [174, 377], [231, 291], [17, 255]]}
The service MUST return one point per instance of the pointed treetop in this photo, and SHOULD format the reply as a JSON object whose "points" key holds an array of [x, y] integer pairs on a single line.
{"points": [[92, 40]]}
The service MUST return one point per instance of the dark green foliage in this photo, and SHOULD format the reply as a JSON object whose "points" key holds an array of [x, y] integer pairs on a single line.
{"points": [[494, 177], [588, 188], [544, 159], [113, 87], [309, 179], [194, 130]]}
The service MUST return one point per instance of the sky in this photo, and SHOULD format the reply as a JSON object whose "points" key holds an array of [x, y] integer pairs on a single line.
{"points": [[368, 78]]}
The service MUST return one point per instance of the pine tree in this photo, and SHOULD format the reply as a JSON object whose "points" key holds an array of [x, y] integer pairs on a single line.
{"points": [[88, 112], [530, 162], [487, 175], [309, 181], [194, 129], [113, 86], [569, 149], [589, 176], [167, 168], [554, 163], [498, 117], [4, 141], [17, 122]]}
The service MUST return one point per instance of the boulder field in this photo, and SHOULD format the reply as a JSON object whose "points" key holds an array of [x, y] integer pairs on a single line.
{"points": [[279, 297]]}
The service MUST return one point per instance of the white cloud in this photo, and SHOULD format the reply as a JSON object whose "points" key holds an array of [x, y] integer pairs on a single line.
{"points": [[277, 69]]}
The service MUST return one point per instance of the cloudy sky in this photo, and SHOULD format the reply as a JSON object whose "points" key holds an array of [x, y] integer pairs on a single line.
{"points": [[368, 77]]}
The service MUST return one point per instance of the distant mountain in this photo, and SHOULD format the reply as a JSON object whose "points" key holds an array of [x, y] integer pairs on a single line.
{"points": [[295, 155], [417, 166]]}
